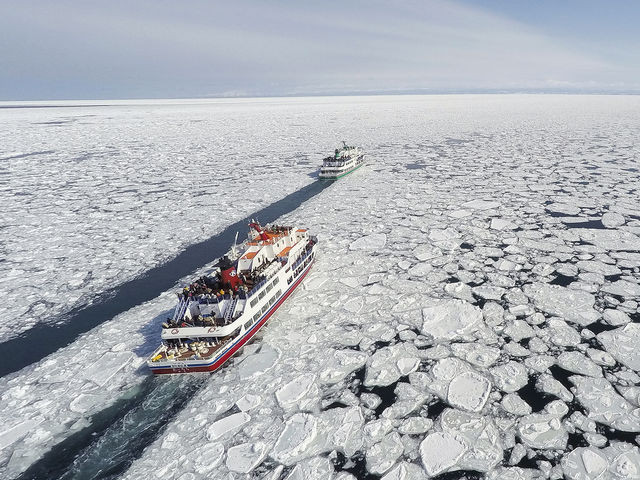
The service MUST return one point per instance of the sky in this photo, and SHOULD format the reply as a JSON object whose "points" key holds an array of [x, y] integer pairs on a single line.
{"points": [[88, 49]]}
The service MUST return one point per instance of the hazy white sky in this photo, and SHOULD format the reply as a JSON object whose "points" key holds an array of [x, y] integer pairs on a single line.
{"points": [[156, 48]]}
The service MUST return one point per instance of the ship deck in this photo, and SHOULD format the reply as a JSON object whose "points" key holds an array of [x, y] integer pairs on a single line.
{"points": [[205, 351]]}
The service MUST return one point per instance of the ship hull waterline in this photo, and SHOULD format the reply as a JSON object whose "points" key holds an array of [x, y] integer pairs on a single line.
{"points": [[231, 351], [336, 177]]}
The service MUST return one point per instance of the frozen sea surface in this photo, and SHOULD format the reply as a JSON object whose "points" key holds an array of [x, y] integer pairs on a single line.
{"points": [[470, 292], [94, 196]]}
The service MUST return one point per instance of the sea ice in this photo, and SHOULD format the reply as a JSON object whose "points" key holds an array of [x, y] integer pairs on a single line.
{"points": [[605, 405], [388, 364], [375, 241], [450, 319], [617, 462], [383, 455], [510, 377], [440, 451], [300, 393], [366, 300], [577, 363], [227, 425], [245, 457], [544, 430], [469, 391], [623, 344], [573, 305]]}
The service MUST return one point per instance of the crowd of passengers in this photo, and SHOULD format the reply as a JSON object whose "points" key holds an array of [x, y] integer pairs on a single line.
{"points": [[198, 321], [178, 346]]}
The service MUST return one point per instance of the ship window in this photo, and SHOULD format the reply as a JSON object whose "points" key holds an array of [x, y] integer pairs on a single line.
{"points": [[275, 281], [256, 316], [271, 301], [247, 325], [253, 302], [268, 288], [266, 306], [279, 293], [261, 295], [289, 280]]}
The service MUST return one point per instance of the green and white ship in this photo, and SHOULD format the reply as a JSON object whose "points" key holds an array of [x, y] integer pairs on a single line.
{"points": [[344, 161]]}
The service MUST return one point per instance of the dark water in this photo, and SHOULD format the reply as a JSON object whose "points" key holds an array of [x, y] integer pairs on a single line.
{"points": [[119, 434], [20, 352]]}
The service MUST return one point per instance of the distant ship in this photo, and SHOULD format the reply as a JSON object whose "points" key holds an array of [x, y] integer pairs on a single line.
{"points": [[220, 312], [344, 161]]}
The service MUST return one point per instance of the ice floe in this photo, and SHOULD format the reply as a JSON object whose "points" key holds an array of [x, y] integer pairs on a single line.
{"points": [[461, 305]]}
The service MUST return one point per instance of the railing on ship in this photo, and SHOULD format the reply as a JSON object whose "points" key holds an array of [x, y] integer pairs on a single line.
{"points": [[304, 256]]}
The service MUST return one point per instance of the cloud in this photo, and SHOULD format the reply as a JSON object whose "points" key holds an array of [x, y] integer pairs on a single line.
{"points": [[196, 48]]}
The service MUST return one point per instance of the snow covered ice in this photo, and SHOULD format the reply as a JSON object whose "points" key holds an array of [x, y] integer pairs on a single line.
{"points": [[464, 314], [95, 196]]}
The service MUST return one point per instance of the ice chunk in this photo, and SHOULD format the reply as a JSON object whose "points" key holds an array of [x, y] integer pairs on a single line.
{"points": [[306, 435], [479, 435], [450, 319], [510, 377], [249, 402], [612, 220], [405, 471], [319, 468], [610, 239], [415, 425], [622, 288], [375, 430], [426, 252], [623, 343], [301, 392], [388, 364], [107, 366], [258, 363], [341, 363], [543, 431], [476, 353], [16, 432], [617, 462], [301, 438], [479, 204], [440, 451], [375, 241], [573, 305], [578, 363], [207, 457], [489, 292], [566, 208], [515, 405], [598, 267], [384, 454], [469, 391], [227, 426], [502, 224], [353, 305], [245, 457], [605, 405], [615, 317], [547, 384]]}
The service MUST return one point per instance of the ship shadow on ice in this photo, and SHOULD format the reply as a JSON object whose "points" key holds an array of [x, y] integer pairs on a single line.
{"points": [[151, 334], [60, 331]]}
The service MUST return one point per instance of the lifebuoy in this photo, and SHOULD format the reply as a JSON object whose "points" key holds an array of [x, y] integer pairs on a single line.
{"points": [[211, 329], [175, 331]]}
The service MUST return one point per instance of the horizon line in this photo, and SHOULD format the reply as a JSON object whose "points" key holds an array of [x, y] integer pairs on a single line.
{"points": [[17, 103]]}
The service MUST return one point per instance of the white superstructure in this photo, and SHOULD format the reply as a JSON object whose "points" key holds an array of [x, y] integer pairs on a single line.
{"points": [[344, 161], [220, 312]]}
